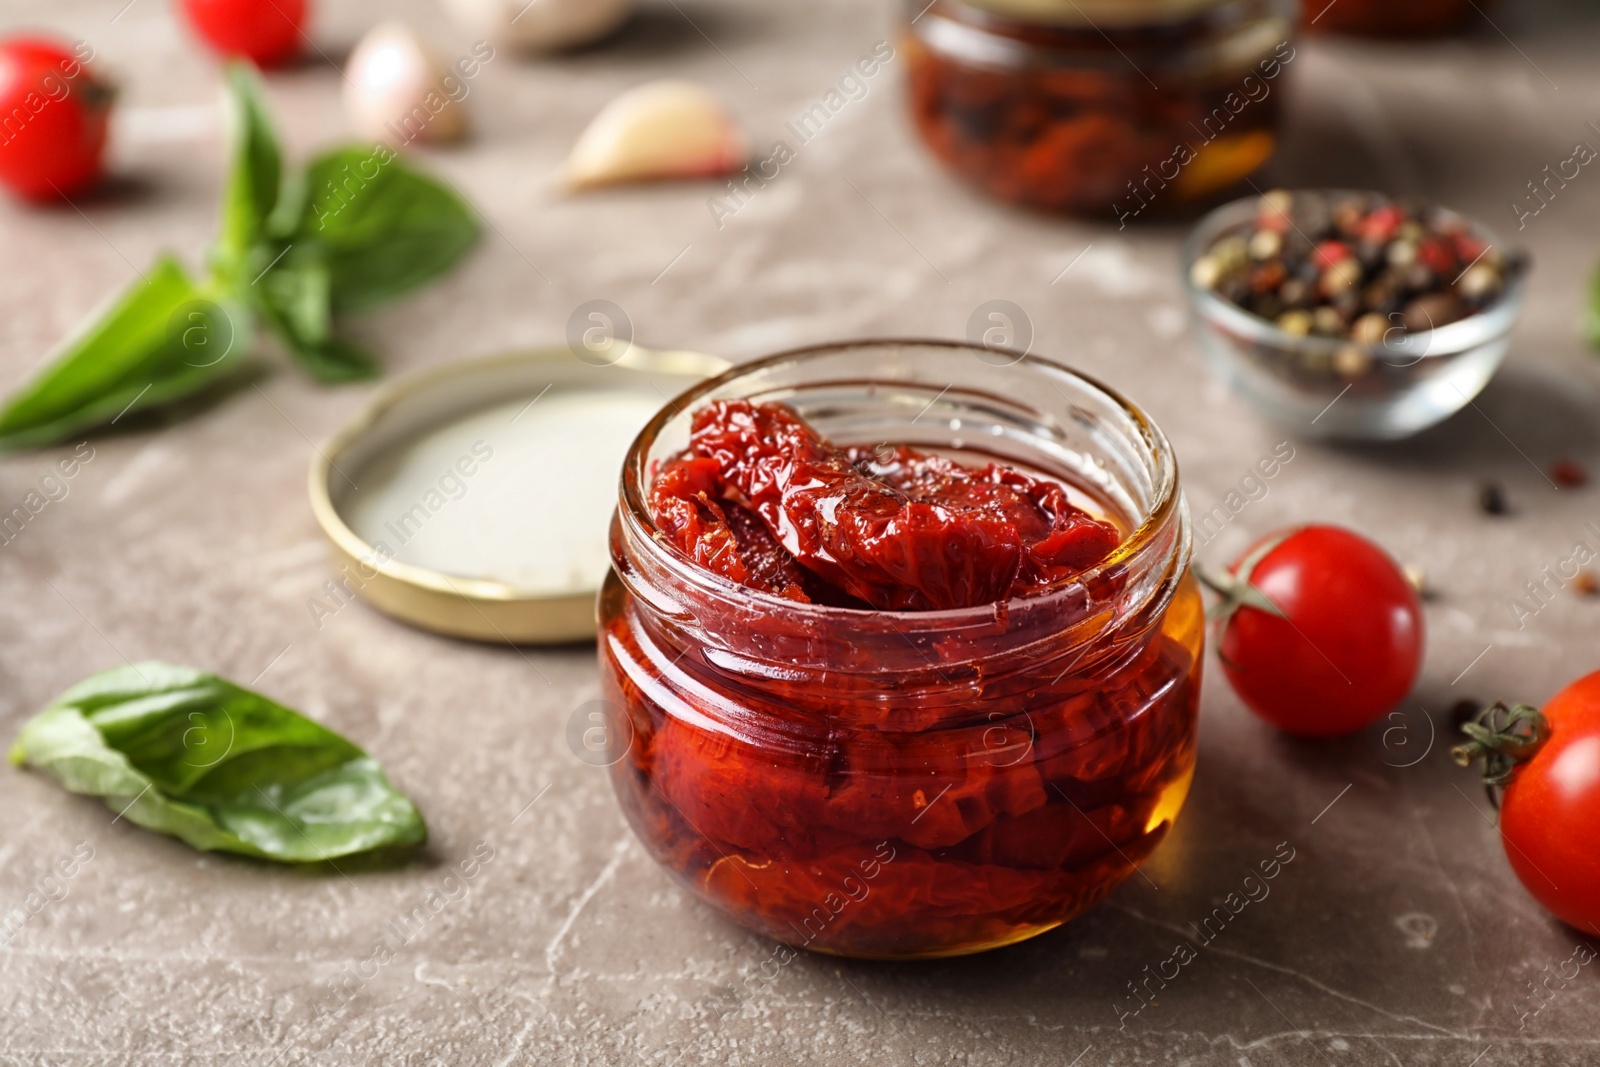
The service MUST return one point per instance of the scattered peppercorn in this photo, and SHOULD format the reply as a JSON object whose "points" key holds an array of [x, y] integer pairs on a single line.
{"points": [[1492, 500], [1464, 711], [1568, 475], [1586, 583]]}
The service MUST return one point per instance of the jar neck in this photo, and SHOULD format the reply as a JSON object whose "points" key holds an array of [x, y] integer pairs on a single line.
{"points": [[757, 639], [1010, 33], [1106, 14]]}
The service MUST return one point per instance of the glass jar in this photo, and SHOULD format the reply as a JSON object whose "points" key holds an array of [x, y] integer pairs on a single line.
{"points": [[907, 784], [1389, 18], [1107, 107]]}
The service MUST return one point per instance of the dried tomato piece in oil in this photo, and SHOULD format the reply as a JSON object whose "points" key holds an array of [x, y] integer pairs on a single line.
{"points": [[721, 537], [1060, 540], [763, 499]]}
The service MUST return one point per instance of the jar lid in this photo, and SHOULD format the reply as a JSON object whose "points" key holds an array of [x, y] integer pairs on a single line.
{"points": [[1119, 13], [474, 499]]}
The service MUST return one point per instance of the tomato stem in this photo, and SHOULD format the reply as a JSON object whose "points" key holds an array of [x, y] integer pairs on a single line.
{"points": [[1235, 587], [1503, 737]]}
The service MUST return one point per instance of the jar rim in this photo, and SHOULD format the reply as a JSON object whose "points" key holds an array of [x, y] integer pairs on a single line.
{"points": [[1117, 14], [1165, 498]]}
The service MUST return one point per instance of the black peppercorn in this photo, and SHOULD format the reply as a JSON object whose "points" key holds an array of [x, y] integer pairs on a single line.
{"points": [[1491, 500]]}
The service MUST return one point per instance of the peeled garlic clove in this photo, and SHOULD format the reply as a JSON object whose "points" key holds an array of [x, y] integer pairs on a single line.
{"points": [[397, 91], [663, 129], [540, 25]]}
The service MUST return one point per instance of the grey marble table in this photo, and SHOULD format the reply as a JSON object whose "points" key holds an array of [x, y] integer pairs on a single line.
{"points": [[1398, 934]]}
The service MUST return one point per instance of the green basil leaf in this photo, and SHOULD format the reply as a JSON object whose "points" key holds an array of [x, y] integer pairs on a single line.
{"points": [[337, 360], [332, 360], [256, 172], [189, 754], [162, 340], [298, 292], [382, 228], [294, 298]]}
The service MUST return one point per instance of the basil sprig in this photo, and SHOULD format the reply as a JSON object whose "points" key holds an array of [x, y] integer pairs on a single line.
{"points": [[189, 754], [355, 228]]}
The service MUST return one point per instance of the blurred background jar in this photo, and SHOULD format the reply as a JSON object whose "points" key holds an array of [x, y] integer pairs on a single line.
{"points": [[1389, 18], [1117, 108]]}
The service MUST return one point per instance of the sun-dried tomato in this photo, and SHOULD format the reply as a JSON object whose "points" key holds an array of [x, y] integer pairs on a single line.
{"points": [[868, 841], [759, 495], [1059, 540], [722, 538]]}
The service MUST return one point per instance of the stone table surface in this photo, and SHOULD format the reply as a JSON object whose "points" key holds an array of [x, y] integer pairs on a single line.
{"points": [[1397, 936]]}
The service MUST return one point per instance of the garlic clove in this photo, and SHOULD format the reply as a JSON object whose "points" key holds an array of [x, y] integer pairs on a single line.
{"points": [[396, 90], [663, 129], [540, 25]]}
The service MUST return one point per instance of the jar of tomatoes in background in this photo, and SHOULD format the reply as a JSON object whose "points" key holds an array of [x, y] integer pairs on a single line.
{"points": [[1108, 107], [1390, 18], [914, 783]]}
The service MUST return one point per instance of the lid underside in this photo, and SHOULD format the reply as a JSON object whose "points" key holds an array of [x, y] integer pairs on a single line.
{"points": [[438, 547]]}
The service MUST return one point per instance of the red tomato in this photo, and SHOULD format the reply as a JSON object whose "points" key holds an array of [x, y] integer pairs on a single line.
{"points": [[263, 31], [53, 116], [1345, 643], [1551, 806]]}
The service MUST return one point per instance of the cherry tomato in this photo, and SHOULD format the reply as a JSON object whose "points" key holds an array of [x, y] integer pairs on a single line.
{"points": [[1321, 631], [263, 31], [1551, 804], [53, 116]]}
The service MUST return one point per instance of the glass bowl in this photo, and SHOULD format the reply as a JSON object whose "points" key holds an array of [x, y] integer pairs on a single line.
{"points": [[1335, 387]]}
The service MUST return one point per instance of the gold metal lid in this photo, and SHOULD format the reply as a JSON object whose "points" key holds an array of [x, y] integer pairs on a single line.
{"points": [[451, 600]]}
